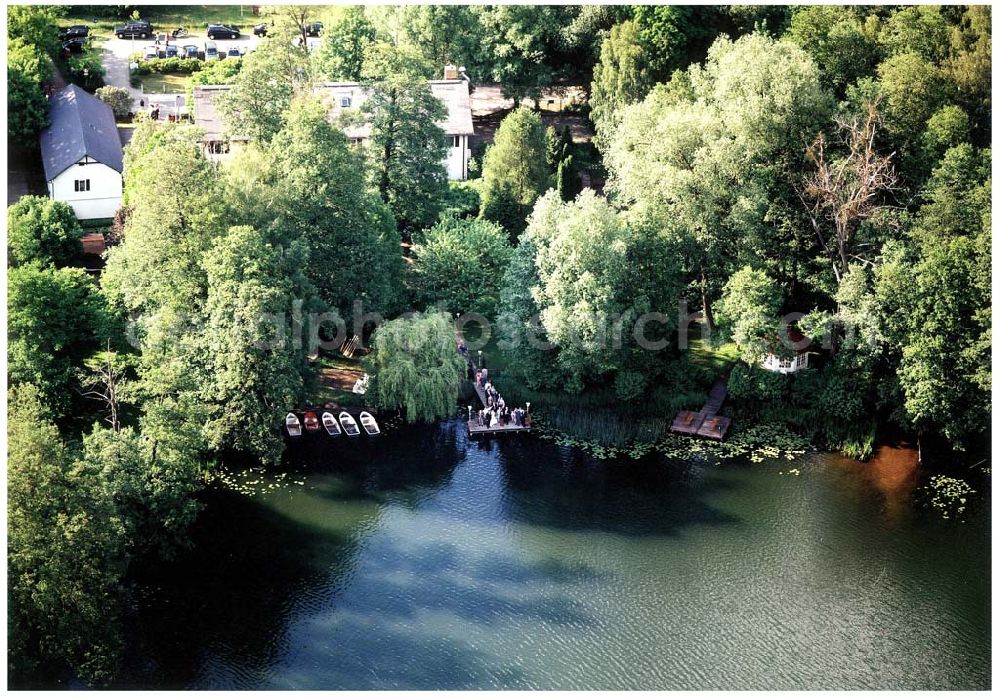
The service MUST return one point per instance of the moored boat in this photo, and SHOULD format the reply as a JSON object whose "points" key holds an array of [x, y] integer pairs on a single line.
{"points": [[330, 424], [369, 423], [311, 421], [293, 425], [350, 426]]}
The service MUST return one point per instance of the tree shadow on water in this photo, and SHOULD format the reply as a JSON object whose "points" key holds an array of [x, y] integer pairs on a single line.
{"points": [[230, 596], [552, 486], [403, 466]]}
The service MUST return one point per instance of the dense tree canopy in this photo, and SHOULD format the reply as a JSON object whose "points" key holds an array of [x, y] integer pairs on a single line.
{"points": [[42, 230], [461, 263], [309, 184], [27, 107], [55, 319], [65, 552]]}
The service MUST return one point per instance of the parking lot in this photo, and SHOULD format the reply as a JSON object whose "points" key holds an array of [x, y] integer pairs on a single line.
{"points": [[117, 52]]}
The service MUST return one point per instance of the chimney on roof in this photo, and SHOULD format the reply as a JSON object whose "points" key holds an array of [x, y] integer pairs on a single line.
{"points": [[450, 72]]}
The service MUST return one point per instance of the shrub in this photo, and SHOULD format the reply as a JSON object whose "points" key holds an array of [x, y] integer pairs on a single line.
{"points": [[118, 98]]}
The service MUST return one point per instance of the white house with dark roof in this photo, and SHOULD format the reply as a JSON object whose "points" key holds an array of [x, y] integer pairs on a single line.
{"points": [[348, 97], [82, 154]]}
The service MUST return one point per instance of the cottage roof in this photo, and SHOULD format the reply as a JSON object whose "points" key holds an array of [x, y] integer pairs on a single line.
{"points": [[206, 113], [81, 125]]}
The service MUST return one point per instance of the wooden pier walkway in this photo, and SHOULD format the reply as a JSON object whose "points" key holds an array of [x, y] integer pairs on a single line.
{"points": [[706, 421], [474, 428]]}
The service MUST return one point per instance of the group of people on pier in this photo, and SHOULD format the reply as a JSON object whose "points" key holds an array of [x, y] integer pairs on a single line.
{"points": [[496, 413]]}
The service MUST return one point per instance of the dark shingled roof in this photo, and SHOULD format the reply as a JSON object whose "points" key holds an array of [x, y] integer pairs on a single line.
{"points": [[81, 125]]}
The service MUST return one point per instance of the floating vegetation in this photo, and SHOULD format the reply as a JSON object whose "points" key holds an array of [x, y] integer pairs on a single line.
{"points": [[757, 443], [254, 481], [948, 495]]}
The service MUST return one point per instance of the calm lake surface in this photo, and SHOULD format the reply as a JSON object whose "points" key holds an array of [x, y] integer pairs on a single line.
{"points": [[425, 560]]}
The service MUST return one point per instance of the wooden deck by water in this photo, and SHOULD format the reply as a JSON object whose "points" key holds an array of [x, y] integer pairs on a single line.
{"points": [[706, 421]]}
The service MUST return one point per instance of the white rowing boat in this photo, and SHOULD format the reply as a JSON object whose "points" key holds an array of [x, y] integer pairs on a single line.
{"points": [[350, 426], [293, 425], [369, 424], [330, 424]]}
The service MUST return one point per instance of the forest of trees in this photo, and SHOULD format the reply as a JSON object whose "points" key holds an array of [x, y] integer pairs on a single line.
{"points": [[824, 160]]}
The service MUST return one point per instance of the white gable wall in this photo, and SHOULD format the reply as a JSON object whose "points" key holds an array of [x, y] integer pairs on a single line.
{"points": [[104, 197], [457, 159]]}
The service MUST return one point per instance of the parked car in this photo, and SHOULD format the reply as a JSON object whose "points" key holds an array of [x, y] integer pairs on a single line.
{"points": [[313, 28], [134, 29], [212, 51], [260, 29], [73, 46], [221, 31], [170, 51], [234, 52], [189, 51], [150, 52], [77, 31]]}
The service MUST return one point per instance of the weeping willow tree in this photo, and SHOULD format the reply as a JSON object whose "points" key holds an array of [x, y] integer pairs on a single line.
{"points": [[416, 366]]}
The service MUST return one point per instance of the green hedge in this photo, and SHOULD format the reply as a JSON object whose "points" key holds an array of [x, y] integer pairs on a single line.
{"points": [[170, 65]]}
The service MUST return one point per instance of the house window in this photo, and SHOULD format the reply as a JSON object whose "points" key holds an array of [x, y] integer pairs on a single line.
{"points": [[345, 101], [357, 141], [218, 147], [453, 141], [81, 185]]}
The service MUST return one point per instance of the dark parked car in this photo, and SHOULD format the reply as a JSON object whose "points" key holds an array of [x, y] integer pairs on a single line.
{"points": [[260, 29], [189, 51], [73, 46], [77, 31], [221, 31], [135, 29], [313, 29], [170, 51]]}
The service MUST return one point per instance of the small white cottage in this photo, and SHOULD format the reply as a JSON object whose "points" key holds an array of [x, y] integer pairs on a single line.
{"points": [[792, 357], [82, 154]]}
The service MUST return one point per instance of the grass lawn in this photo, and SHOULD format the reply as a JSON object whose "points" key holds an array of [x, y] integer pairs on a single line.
{"points": [[716, 358], [164, 83]]}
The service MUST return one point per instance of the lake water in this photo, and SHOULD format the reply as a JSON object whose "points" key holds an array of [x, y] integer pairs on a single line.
{"points": [[425, 560]]}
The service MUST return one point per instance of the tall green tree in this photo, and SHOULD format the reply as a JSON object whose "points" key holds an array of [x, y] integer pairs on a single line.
{"points": [[270, 77], [515, 170], [620, 78], [65, 553], [309, 184], [28, 109], [748, 312], [596, 278], [35, 25], [42, 230], [416, 367], [257, 366], [406, 148], [461, 263], [709, 158], [843, 44], [55, 319], [172, 222], [342, 53]]}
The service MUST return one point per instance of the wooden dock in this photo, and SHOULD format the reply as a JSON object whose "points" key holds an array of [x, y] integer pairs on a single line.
{"points": [[706, 421]]}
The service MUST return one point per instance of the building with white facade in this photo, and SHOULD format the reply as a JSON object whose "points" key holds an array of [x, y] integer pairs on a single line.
{"points": [[346, 99], [82, 154]]}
